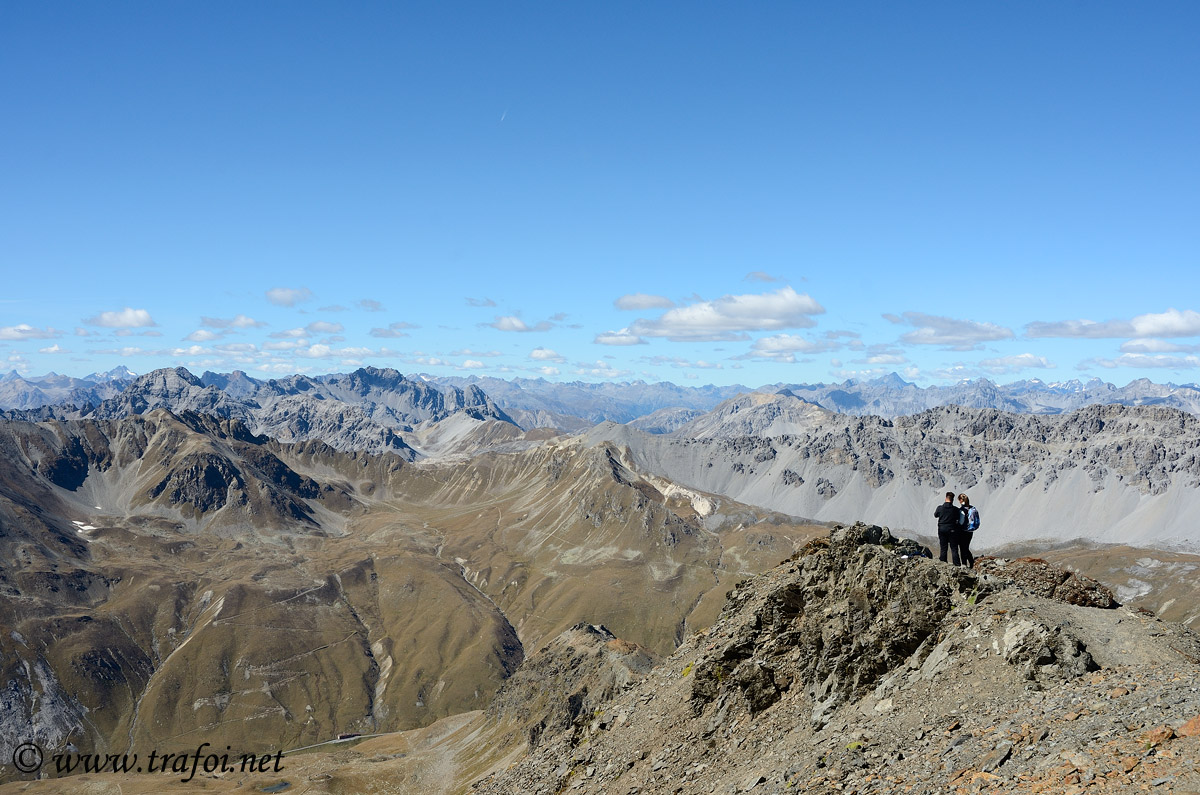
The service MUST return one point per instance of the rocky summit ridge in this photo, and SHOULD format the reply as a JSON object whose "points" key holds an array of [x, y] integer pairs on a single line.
{"points": [[857, 667]]}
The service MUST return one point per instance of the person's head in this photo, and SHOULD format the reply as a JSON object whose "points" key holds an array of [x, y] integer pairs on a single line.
{"points": [[949, 496], [964, 499]]}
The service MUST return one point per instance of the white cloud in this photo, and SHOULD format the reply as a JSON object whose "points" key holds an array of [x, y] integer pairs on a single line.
{"points": [[202, 335], [959, 335], [55, 348], [622, 337], [601, 369], [643, 301], [886, 358], [514, 323], [286, 345], [126, 318], [1172, 323], [472, 364], [82, 332], [1157, 346], [288, 296], [396, 329], [324, 327], [731, 316], [23, 331], [370, 305], [240, 321], [546, 355], [784, 347], [548, 370], [291, 333], [1016, 363]]}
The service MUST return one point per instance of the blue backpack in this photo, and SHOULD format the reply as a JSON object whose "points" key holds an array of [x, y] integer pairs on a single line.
{"points": [[972, 519]]}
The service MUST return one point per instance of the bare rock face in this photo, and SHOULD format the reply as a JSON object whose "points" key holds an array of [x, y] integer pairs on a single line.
{"points": [[850, 610], [566, 681], [1045, 579]]}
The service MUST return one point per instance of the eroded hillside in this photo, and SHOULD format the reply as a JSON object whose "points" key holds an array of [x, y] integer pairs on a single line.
{"points": [[178, 577]]}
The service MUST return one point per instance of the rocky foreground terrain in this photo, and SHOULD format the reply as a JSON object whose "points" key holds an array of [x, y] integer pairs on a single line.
{"points": [[855, 666]]}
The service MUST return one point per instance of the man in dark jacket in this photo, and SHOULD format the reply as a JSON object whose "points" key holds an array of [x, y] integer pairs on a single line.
{"points": [[949, 519]]}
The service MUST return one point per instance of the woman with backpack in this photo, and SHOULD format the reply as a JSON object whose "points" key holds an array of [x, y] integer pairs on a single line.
{"points": [[971, 517]]}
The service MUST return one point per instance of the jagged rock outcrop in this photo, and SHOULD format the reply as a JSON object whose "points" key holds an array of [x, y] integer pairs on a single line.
{"points": [[852, 668]]}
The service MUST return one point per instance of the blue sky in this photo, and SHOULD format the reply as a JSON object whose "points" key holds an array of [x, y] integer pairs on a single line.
{"points": [[708, 192]]}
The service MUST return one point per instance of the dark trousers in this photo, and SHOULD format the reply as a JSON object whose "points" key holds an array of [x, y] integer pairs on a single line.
{"points": [[949, 541], [964, 548]]}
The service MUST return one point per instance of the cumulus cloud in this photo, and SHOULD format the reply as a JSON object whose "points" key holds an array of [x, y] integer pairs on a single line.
{"points": [[1157, 346], [431, 361], [622, 337], [289, 296], [886, 358], [370, 305], [202, 335], [643, 301], [760, 276], [731, 316], [124, 319], [393, 330], [480, 302], [324, 327], [286, 345], [472, 364], [1172, 323], [23, 331], [514, 323], [548, 370], [785, 347], [546, 355], [601, 369], [1016, 363], [240, 321], [959, 335], [53, 349]]}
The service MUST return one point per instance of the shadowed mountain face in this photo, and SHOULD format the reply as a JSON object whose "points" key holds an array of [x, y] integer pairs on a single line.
{"points": [[173, 577]]}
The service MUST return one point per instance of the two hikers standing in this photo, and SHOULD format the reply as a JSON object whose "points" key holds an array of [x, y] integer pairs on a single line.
{"points": [[956, 527]]}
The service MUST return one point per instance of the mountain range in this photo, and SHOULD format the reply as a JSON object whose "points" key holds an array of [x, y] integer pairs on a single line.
{"points": [[575, 406], [282, 561]]}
